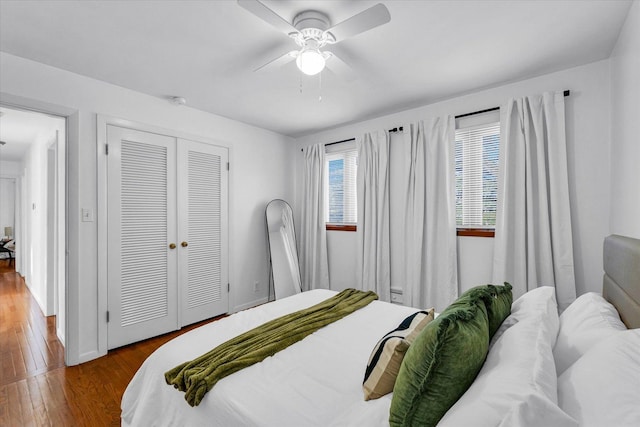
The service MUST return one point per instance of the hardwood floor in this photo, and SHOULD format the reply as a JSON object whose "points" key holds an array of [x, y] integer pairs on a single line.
{"points": [[36, 389]]}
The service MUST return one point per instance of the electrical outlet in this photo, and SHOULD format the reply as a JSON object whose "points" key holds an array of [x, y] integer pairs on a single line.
{"points": [[256, 286]]}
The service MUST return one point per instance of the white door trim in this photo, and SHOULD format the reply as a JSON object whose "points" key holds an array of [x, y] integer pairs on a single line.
{"points": [[71, 221]]}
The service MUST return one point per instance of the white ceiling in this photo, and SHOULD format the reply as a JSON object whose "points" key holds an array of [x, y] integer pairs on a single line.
{"points": [[205, 51]]}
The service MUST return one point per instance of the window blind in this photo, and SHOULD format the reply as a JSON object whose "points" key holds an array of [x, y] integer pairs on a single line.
{"points": [[341, 168], [476, 157]]}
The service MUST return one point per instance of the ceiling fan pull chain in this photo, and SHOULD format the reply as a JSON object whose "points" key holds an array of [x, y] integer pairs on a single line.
{"points": [[320, 86], [301, 84]]}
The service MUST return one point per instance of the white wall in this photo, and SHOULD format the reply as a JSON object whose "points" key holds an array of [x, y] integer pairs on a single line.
{"points": [[259, 172], [13, 171], [588, 145], [35, 215], [10, 168], [342, 274], [9, 173], [625, 128], [7, 204]]}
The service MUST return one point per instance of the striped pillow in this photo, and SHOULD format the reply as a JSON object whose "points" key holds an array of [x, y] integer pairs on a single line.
{"points": [[387, 355]]}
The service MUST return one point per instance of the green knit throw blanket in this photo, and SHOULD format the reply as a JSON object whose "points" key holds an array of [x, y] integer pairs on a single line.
{"points": [[199, 376]]}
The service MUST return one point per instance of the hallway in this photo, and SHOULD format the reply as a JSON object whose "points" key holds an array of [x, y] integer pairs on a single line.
{"points": [[27, 338], [36, 389]]}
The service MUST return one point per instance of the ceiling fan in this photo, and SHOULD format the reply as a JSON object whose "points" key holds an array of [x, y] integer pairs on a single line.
{"points": [[312, 31]]}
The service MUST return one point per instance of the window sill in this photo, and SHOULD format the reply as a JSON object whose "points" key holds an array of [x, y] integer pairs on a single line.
{"points": [[341, 227], [476, 232]]}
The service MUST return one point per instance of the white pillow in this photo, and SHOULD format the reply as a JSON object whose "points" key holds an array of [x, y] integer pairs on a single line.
{"points": [[586, 322], [603, 387], [517, 383], [536, 411], [527, 306]]}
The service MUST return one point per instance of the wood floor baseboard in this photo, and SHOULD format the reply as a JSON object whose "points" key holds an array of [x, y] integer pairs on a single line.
{"points": [[36, 389]]}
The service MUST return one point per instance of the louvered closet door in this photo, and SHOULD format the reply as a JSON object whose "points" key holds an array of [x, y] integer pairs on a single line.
{"points": [[202, 227], [142, 276]]}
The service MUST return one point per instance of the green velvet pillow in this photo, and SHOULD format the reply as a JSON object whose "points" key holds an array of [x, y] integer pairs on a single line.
{"points": [[500, 306], [441, 363], [497, 299]]}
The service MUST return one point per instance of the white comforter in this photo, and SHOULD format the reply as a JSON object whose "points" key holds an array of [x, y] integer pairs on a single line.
{"points": [[315, 382]]}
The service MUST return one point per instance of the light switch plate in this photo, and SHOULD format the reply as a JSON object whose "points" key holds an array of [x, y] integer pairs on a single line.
{"points": [[87, 215]]}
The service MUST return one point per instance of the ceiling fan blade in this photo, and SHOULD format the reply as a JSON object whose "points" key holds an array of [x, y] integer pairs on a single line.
{"points": [[363, 21], [338, 66], [278, 62], [267, 15]]}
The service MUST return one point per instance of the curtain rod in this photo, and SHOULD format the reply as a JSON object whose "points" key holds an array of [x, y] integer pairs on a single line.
{"points": [[565, 93], [400, 129], [339, 142]]}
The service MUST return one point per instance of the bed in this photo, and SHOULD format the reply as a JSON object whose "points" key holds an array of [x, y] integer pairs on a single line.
{"points": [[538, 369]]}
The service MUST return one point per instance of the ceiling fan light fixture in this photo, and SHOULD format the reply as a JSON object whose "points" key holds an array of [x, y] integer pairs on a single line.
{"points": [[310, 61]]}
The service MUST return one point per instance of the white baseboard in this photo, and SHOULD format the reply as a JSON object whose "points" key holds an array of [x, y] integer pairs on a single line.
{"points": [[60, 335], [249, 304], [90, 355]]}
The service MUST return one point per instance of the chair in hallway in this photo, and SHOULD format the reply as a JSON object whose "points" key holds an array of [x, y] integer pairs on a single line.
{"points": [[5, 249]]}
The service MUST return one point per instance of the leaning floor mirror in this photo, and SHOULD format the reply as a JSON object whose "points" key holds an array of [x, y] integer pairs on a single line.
{"points": [[283, 249]]}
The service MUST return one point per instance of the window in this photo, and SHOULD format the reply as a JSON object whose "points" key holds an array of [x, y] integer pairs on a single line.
{"points": [[476, 158], [341, 205]]}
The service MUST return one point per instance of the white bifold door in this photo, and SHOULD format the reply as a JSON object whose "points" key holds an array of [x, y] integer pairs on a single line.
{"points": [[167, 233]]}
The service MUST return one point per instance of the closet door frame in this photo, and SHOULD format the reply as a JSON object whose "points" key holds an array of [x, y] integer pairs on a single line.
{"points": [[102, 121]]}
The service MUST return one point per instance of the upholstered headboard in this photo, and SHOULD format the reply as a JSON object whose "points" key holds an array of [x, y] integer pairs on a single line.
{"points": [[621, 283]]}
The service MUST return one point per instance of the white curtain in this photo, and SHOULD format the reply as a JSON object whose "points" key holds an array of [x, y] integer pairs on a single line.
{"points": [[373, 264], [314, 267], [533, 240], [431, 264]]}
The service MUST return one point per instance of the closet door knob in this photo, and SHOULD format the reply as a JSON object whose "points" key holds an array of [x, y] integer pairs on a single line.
{"points": [[172, 245], [184, 244]]}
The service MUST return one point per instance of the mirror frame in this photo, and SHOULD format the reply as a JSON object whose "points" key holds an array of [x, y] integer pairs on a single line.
{"points": [[283, 252]]}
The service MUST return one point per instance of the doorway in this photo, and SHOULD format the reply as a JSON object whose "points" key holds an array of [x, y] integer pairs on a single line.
{"points": [[33, 158]]}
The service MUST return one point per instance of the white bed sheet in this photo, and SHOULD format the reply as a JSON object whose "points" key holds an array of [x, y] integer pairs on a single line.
{"points": [[315, 382]]}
